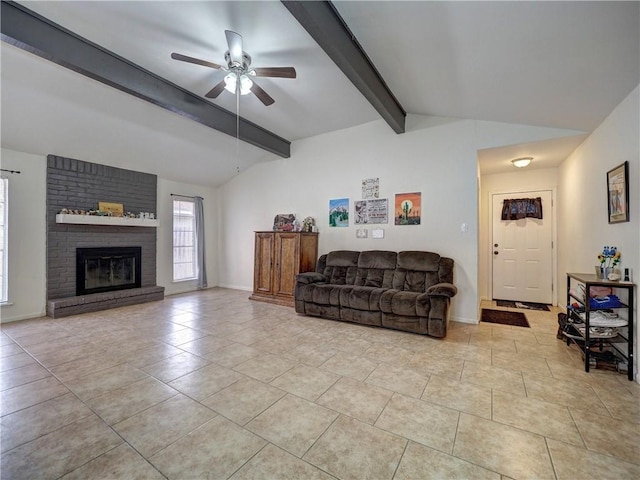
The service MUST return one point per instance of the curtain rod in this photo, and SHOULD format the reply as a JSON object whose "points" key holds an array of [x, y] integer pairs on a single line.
{"points": [[184, 196], [9, 171]]}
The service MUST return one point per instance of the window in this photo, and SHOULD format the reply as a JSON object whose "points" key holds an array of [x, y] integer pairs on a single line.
{"points": [[4, 220], [184, 240]]}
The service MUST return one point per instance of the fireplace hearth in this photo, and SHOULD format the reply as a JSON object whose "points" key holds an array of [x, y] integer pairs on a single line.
{"points": [[106, 269]]}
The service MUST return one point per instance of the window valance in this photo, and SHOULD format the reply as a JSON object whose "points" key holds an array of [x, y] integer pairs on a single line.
{"points": [[517, 208]]}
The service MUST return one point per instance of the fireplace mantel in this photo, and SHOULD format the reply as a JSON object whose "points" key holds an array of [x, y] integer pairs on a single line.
{"points": [[104, 220]]}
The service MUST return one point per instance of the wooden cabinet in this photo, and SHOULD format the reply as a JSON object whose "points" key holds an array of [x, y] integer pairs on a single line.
{"points": [[279, 257]]}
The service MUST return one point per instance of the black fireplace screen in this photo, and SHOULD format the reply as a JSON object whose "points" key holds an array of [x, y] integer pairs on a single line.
{"points": [[104, 269]]}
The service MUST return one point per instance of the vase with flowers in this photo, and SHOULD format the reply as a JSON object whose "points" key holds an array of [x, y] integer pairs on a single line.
{"points": [[609, 258], [307, 224]]}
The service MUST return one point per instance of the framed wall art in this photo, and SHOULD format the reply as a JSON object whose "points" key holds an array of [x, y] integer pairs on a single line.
{"points": [[407, 208], [618, 193], [371, 211], [339, 212]]}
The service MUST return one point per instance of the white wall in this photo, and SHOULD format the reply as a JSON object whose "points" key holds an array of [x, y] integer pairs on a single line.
{"points": [[583, 228], [435, 156], [164, 275], [516, 181], [27, 236]]}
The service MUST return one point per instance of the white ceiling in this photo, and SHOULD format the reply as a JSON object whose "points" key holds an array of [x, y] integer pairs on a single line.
{"points": [[551, 64]]}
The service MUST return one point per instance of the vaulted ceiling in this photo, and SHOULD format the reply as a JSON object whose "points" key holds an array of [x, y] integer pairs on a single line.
{"points": [[551, 64]]}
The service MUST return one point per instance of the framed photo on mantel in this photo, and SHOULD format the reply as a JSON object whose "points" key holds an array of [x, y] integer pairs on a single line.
{"points": [[113, 209], [618, 193]]}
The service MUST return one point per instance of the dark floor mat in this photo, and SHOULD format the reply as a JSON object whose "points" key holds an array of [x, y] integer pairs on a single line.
{"points": [[517, 319]]}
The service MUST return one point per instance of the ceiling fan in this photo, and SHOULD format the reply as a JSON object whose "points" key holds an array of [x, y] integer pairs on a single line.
{"points": [[240, 76]]}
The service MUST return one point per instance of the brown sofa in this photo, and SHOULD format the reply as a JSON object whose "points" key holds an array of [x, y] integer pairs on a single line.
{"points": [[408, 291]]}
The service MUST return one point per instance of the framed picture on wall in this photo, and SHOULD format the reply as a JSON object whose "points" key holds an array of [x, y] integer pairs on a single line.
{"points": [[618, 193], [339, 212]]}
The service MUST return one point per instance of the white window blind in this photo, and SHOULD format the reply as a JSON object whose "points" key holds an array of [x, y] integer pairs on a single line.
{"points": [[184, 240]]}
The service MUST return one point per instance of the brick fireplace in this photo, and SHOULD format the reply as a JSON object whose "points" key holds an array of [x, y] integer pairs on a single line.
{"points": [[79, 185]]}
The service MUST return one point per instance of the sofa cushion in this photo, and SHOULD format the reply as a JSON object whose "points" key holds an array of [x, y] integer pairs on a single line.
{"points": [[416, 271], [375, 268], [323, 294], [341, 267], [401, 303], [361, 298]]}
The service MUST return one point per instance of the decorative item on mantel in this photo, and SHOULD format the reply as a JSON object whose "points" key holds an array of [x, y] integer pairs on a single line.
{"points": [[103, 213], [609, 258]]}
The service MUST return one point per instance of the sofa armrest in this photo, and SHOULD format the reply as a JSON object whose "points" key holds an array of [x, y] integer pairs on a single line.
{"points": [[310, 277], [442, 289]]}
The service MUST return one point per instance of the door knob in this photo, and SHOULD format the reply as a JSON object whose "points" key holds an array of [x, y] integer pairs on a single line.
{"points": [[495, 252]]}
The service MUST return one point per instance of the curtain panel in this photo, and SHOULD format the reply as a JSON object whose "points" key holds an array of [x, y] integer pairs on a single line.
{"points": [[200, 251], [517, 208]]}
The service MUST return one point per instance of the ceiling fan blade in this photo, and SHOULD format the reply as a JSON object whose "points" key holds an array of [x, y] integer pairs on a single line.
{"points": [[282, 72], [197, 61], [215, 91], [234, 40], [261, 94]]}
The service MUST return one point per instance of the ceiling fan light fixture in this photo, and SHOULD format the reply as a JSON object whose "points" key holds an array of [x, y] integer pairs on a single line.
{"points": [[521, 162], [230, 83]]}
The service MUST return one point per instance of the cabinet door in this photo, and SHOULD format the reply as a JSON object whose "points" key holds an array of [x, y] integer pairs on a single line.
{"points": [[287, 257], [263, 263]]}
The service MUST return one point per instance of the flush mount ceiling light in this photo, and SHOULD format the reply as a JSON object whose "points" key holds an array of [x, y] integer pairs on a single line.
{"points": [[521, 162]]}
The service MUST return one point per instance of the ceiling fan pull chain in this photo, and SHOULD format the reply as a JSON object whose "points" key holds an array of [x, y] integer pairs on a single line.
{"points": [[238, 126]]}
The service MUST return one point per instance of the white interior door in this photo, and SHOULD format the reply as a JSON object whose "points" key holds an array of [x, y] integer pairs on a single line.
{"points": [[522, 252]]}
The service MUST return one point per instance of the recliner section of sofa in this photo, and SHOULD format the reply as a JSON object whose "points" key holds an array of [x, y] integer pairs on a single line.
{"points": [[409, 291]]}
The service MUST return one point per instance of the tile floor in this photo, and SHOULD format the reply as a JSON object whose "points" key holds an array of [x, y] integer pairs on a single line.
{"points": [[212, 385]]}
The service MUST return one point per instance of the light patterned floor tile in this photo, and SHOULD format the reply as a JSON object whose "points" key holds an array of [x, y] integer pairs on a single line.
{"points": [[463, 396], [548, 419], [617, 438], [351, 450], [244, 400], [350, 365], [306, 382], [493, 377], [273, 462], [60, 451], [29, 394], [215, 450], [160, 425], [293, 424], [265, 367], [418, 460], [399, 379], [572, 462], [124, 402], [356, 399], [206, 381], [32, 422], [422, 422], [120, 463], [495, 446]]}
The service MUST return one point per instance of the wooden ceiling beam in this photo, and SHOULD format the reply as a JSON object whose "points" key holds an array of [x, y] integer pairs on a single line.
{"points": [[325, 25]]}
